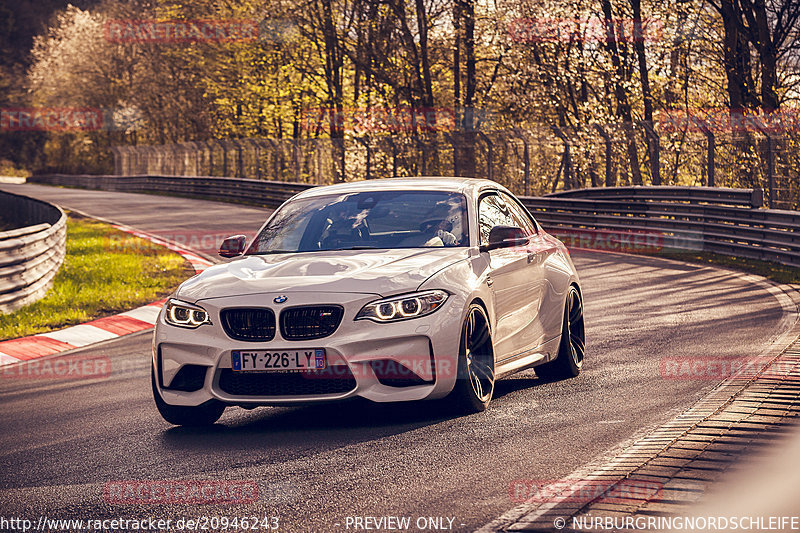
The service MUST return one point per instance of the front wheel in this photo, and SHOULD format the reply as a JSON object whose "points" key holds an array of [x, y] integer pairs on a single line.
{"points": [[201, 415], [475, 383], [572, 349]]}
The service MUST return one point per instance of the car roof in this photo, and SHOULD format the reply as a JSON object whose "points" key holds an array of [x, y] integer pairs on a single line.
{"points": [[451, 184]]}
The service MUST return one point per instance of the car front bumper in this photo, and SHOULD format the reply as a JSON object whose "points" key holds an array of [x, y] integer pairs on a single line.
{"points": [[407, 360]]}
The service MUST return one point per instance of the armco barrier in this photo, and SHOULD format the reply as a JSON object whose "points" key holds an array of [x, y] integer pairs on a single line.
{"points": [[764, 234], [254, 192], [30, 255], [713, 195], [723, 221]]}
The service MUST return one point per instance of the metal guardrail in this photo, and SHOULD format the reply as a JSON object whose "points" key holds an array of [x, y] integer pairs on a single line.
{"points": [[713, 195], [30, 255], [254, 192], [723, 221], [763, 234]]}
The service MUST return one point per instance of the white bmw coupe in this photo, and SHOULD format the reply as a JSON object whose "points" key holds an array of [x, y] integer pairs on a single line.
{"points": [[391, 290]]}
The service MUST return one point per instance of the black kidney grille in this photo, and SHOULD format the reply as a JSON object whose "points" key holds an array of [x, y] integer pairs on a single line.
{"points": [[310, 322], [255, 324], [332, 380]]}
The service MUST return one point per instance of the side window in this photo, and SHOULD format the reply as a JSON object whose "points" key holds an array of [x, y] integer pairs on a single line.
{"points": [[518, 212], [492, 211]]}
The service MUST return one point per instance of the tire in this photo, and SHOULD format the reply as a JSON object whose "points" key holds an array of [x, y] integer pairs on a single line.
{"points": [[475, 384], [572, 349], [204, 414]]}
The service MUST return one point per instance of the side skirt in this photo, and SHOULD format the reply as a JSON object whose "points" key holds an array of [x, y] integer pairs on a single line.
{"points": [[541, 354]]}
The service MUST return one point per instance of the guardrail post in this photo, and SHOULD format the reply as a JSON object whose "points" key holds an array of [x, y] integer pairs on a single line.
{"points": [[655, 149], [566, 158], [611, 179]]}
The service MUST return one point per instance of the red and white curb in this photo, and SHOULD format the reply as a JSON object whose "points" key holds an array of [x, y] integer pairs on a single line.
{"points": [[102, 329]]}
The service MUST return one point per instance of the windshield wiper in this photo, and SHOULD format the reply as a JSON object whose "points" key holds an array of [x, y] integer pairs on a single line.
{"points": [[274, 252]]}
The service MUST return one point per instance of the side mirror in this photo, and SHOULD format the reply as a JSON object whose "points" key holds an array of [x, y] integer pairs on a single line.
{"points": [[505, 237], [233, 246]]}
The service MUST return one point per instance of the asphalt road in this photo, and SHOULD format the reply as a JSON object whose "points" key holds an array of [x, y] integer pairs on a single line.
{"points": [[199, 224], [62, 441]]}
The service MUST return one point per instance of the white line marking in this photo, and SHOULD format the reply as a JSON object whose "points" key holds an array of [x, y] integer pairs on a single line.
{"points": [[81, 335], [147, 313]]}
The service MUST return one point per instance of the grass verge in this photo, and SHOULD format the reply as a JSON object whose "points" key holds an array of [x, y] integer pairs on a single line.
{"points": [[105, 271]]}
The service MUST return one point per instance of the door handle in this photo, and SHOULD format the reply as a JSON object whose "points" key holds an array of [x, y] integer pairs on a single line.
{"points": [[489, 281]]}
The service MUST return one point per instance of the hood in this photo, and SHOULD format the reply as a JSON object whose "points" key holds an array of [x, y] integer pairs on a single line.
{"points": [[381, 272]]}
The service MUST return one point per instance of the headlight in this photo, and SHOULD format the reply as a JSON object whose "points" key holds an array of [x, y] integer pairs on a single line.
{"points": [[185, 315], [403, 307]]}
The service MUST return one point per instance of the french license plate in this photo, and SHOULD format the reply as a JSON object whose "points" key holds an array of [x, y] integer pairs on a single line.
{"points": [[278, 360]]}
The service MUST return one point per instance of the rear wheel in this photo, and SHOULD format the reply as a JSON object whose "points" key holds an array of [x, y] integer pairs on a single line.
{"points": [[475, 383], [572, 349], [204, 414]]}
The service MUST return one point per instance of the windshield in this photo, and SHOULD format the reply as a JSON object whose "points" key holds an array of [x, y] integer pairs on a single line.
{"points": [[386, 219]]}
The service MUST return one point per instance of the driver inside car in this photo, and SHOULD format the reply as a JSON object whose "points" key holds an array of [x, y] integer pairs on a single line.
{"points": [[344, 226], [443, 236]]}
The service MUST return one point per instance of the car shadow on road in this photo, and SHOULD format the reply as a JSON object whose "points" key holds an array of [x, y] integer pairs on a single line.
{"points": [[337, 424]]}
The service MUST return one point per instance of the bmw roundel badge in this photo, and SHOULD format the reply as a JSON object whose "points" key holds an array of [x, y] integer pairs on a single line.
{"points": [[280, 299]]}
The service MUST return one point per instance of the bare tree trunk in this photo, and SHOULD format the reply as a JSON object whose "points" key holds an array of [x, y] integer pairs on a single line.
{"points": [[623, 105], [467, 138], [647, 96], [333, 78]]}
